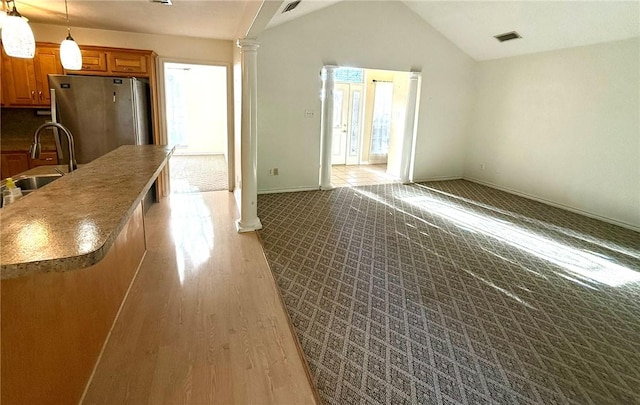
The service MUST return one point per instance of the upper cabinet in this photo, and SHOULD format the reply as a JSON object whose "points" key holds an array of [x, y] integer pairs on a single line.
{"points": [[116, 62], [94, 60], [128, 62], [25, 82]]}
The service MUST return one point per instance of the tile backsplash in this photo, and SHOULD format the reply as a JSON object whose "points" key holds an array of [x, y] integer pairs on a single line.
{"points": [[20, 123]]}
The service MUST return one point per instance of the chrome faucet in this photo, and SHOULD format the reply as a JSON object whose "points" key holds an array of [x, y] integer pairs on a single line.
{"points": [[35, 148]]}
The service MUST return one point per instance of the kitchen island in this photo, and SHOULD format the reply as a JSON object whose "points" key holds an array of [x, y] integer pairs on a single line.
{"points": [[69, 254], [73, 222]]}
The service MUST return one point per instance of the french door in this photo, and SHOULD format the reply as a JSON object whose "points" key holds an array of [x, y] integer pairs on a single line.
{"points": [[381, 123], [348, 107]]}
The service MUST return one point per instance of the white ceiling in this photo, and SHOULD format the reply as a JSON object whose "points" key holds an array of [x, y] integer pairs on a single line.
{"points": [[202, 19], [543, 25], [471, 25]]}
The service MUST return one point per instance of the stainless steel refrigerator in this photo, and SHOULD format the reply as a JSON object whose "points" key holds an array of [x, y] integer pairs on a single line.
{"points": [[102, 113]]}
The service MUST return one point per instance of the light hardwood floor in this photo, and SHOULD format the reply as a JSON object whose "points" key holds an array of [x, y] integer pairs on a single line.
{"points": [[203, 322], [360, 175]]}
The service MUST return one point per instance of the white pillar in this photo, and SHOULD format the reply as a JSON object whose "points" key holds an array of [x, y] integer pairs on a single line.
{"points": [[409, 125], [249, 220], [326, 128]]}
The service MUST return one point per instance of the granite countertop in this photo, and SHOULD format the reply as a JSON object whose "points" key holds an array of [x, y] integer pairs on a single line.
{"points": [[72, 222]]}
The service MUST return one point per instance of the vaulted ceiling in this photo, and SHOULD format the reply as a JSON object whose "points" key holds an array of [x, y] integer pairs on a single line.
{"points": [[470, 25]]}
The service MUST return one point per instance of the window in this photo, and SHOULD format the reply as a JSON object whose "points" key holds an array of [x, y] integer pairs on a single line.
{"points": [[349, 75], [381, 118]]}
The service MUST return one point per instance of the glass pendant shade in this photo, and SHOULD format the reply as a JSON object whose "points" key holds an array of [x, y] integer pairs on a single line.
{"points": [[17, 37], [70, 55]]}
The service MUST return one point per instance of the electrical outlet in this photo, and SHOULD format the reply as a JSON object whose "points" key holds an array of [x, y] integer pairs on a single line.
{"points": [[482, 166], [270, 172], [308, 113], [275, 171]]}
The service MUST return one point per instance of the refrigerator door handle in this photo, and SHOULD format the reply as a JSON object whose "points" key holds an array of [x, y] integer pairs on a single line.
{"points": [[54, 118]]}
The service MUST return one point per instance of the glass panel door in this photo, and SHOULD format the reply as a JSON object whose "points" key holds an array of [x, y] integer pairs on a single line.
{"points": [[355, 124], [381, 127], [340, 114]]}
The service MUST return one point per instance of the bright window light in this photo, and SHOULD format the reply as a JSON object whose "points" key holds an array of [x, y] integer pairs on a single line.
{"points": [[587, 265]]}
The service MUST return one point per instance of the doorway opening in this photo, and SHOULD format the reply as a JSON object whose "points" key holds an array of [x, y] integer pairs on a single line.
{"points": [[369, 108], [196, 122]]}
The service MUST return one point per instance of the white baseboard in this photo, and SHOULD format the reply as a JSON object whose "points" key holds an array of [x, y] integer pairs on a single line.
{"points": [[442, 178], [289, 190], [555, 204], [488, 184]]}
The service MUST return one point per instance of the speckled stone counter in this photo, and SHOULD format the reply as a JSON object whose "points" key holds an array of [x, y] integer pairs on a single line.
{"points": [[72, 222]]}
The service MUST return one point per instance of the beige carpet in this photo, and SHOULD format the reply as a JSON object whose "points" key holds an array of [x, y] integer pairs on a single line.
{"points": [[198, 173]]}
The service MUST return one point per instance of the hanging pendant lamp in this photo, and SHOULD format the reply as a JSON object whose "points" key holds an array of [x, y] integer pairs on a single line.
{"points": [[17, 37], [3, 11], [70, 55]]}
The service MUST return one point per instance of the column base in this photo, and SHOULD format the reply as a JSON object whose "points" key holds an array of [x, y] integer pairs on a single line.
{"points": [[327, 188], [244, 227], [406, 182]]}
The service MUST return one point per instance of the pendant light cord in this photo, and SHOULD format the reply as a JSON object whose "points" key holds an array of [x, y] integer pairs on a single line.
{"points": [[66, 11], [11, 9]]}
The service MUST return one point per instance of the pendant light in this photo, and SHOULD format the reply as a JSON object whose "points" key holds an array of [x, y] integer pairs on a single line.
{"points": [[3, 11], [17, 37], [70, 55]]}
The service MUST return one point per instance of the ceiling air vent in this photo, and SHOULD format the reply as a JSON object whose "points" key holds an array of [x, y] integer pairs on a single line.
{"points": [[507, 36], [163, 2], [291, 6]]}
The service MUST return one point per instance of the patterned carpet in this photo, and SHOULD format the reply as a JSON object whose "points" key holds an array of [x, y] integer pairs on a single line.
{"points": [[197, 173], [456, 293]]}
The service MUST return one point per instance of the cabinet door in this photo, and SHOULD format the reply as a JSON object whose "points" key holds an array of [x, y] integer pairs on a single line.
{"points": [[93, 61], [128, 62], [19, 84], [3, 89], [46, 158], [47, 61], [12, 164]]}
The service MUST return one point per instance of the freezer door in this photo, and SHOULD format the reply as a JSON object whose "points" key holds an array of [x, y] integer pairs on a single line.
{"points": [[97, 110], [141, 112]]}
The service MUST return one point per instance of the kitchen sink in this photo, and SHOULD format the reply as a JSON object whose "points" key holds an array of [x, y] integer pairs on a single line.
{"points": [[29, 184]]}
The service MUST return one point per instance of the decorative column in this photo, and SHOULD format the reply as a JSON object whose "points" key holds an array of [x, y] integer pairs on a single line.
{"points": [[409, 126], [326, 128], [249, 220]]}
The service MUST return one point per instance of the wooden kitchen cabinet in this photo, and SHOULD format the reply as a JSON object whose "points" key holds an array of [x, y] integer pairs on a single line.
{"points": [[104, 61], [46, 158], [12, 163], [128, 62], [94, 60], [19, 80], [25, 81]]}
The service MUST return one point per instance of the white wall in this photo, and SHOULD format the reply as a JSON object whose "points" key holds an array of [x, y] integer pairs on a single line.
{"points": [[400, 93], [562, 126], [377, 35]]}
